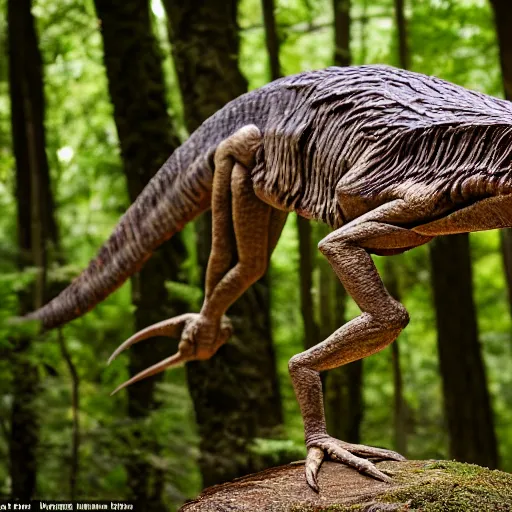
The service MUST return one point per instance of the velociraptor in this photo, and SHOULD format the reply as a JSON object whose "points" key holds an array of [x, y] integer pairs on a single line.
{"points": [[388, 158]]}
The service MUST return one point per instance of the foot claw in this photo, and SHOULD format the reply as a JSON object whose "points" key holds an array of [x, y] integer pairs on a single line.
{"points": [[370, 452], [345, 453], [313, 463]]}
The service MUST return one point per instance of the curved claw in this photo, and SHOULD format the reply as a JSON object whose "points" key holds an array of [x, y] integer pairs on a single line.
{"points": [[371, 452], [346, 453], [362, 465], [171, 328], [174, 328], [174, 360], [313, 462]]}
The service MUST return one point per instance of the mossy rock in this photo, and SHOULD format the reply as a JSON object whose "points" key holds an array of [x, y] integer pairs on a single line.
{"points": [[429, 486], [452, 487]]}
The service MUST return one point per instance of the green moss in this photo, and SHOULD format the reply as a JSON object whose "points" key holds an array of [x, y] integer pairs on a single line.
{"points": [[452, 486], [434, 486], [329, 508]]}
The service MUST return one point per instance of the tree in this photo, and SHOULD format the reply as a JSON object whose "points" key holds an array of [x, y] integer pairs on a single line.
{"points": [[236, 393], [36, 228], [146, 136], [343, 386], [391, 275], [400, 405], [306, 260], [502, 17], [271, 38], [466, 398]]}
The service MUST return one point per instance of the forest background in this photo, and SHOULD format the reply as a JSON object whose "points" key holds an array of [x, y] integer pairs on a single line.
{"points": [[94, 95]]}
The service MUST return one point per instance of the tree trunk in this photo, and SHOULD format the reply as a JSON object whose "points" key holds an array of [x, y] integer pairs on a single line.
{"points": [[391, 277], [236, 393], [342, 56], [343, 386], [400, 406], [271, 38], [146, 136], [466, 399], [311, 330], [503, 19], [311, 337], [36, 226], [401, 27]]}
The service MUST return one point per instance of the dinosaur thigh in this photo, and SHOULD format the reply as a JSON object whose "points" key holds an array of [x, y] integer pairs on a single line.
{"points": [[267, 188], [490, 213]]}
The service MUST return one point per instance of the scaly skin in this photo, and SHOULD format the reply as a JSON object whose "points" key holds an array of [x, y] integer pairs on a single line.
{"points": [[388, 158]]}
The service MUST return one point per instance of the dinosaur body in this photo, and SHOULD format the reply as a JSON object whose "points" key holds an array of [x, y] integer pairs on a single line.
{"points": [[342, 141], [388, 158]]}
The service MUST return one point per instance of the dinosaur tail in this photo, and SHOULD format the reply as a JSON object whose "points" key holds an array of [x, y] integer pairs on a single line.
{"points": [[180, 191]]}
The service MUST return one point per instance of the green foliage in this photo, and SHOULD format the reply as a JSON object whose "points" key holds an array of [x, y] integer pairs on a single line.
{"points": [[454, 39], [185, 292]]}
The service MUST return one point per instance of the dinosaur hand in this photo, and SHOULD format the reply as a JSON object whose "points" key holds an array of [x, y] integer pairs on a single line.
{"points": [[200, 337]]}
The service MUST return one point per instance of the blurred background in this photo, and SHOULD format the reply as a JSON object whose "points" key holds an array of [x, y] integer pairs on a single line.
{"points": [[94, 96]]}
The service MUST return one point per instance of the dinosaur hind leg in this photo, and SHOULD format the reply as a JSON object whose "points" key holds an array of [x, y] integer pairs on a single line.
{"points": [[381, 320], [256, 228], [489, 213]]}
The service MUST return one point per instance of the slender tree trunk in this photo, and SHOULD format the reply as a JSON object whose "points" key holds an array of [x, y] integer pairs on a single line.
{"points": [[503, 19], [466, 398], [236, 393], [401, 26], [391, 277], [363, 33], [343, 386], [341, 9], [136, 84], [400, 406], [312, 335], [271, 38], [75, 407], [36, 227]]}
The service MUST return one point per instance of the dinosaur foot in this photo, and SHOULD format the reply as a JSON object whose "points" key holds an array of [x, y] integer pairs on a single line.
{"points": [[200, 338], [353, 455]]}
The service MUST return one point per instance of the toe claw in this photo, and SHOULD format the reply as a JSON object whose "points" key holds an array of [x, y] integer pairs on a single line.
{"points": [[311, 480], [313, 462], [375, 473], [346, 453], [369, 452]]}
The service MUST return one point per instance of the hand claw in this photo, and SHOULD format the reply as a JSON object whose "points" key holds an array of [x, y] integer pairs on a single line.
{"points": [[174, 360], [171, 328], [185, 327]]}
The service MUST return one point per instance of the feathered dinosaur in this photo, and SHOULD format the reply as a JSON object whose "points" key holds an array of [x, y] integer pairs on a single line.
{"points": [[388, 158]]}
